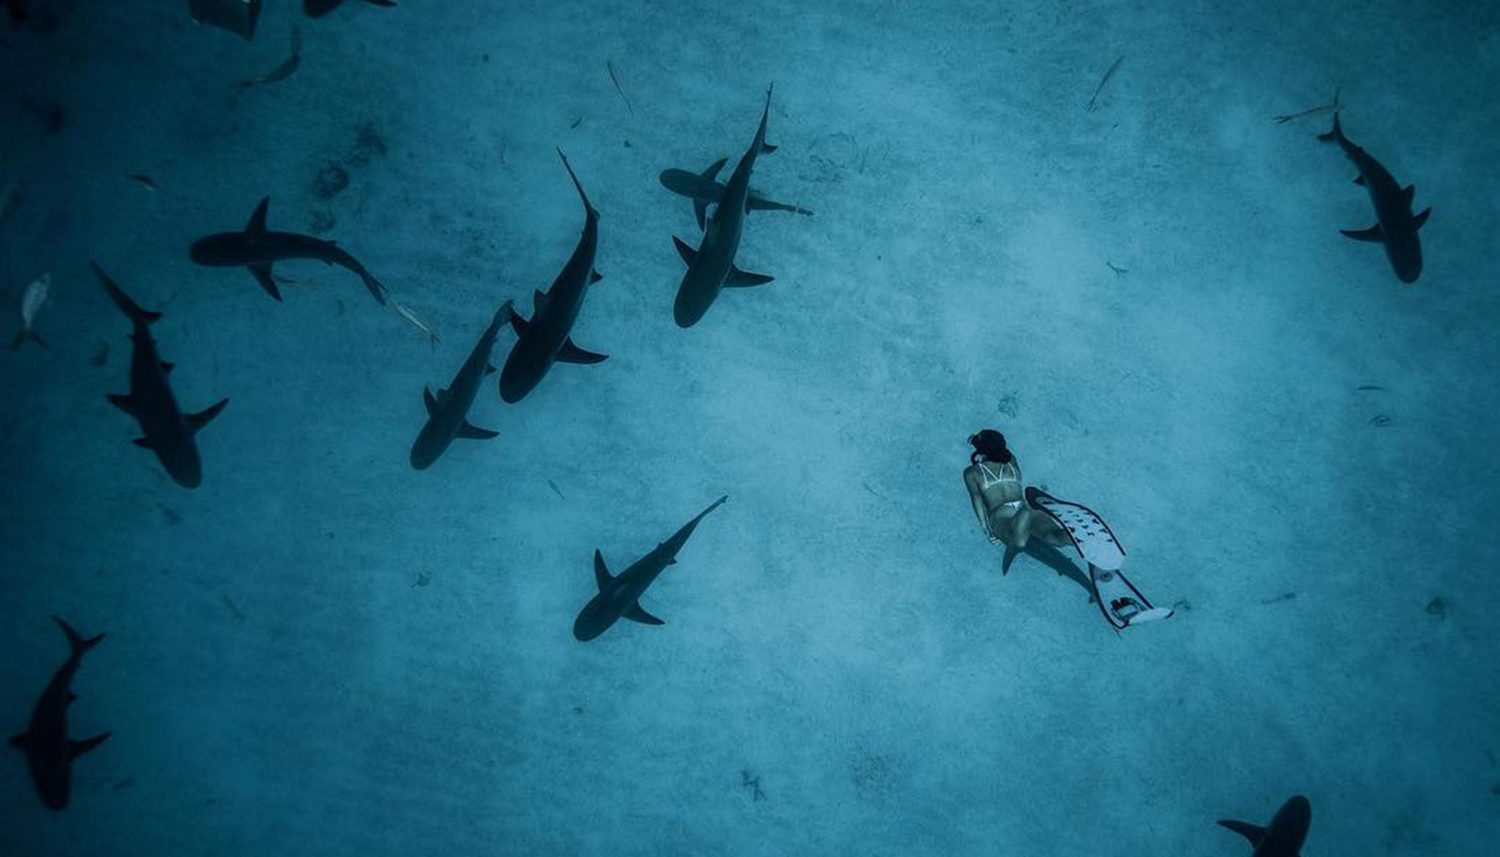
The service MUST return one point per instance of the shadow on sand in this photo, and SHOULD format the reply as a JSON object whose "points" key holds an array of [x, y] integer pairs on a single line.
{"points": [[1054, 559]]}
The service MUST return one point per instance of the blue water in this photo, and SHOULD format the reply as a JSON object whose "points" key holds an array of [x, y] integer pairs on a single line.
{"points": [[323, 651]]}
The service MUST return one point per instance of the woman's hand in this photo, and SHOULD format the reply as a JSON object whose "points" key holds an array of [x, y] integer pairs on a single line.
{"points": [[996, 540]]}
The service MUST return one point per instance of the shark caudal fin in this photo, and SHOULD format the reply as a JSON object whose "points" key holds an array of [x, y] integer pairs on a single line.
{"points": [[131, 309], [76, 641]]}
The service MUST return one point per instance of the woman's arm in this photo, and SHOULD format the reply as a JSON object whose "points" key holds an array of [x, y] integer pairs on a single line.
{"points": [[977, 498]]}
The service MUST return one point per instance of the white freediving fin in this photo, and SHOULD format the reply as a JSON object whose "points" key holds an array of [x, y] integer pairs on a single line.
{"points": [[602, 577], [1121, 603], [205, 416], [470, 431], [687, 253], [1373, 234], [570, 353], [745, 279], [1093, 538], [637, 613]]}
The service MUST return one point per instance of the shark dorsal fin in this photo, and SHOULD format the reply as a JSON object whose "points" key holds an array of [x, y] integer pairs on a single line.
{"points": [[257, 224], [602, 577]]}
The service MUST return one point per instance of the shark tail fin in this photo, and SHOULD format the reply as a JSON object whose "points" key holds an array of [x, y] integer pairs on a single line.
{"points": [[1252, 832], [76, 641], [131, 309]]}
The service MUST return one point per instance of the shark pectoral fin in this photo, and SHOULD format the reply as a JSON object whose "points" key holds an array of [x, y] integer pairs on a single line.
{"points": [[472, 432], [687, 253], [595, 276], [1408, 192], [602, 577], [1372, 234], [636, 613], [700, 213], [257, 222], [263, 276], [766, 148], [430, 401], [745, 279], [78, 748], [1251, 832], [1421, 219], [570, 353], [517, 323], [538, 302], [205, 416], [144, 443], [713, 169], [124, 403]]}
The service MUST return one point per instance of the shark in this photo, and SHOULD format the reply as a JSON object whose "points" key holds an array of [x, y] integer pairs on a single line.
{"points": [[545, 338], [1395, 225], [448, 410], [1284, 836], [319, 8], [257, 248], [711, 266], [165, 429], [49, 751], [620, 596], [704, 188]]}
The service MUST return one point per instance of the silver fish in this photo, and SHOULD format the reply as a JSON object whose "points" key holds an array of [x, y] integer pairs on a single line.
{"points": [[405, 312], [31, 303]]}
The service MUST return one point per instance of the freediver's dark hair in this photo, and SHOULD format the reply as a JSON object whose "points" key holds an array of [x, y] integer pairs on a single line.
{"points": [[989, 445]]}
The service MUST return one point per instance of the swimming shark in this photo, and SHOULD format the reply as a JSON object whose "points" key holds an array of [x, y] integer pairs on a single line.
{"points": [[711, 266], [447, 412], [166, 430], [620, 596], [1284, 837], [544, 339], [703, 188], [319, 8], [258, 249], [49, 751], [1395, 226]]}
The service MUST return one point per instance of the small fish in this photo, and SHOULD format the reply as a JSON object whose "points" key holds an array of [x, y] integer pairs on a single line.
{"points": [[1285, 596], [556, 490], [405, 312], [1118, 270], [145, 181], [1094, 99], [423, 578], [1370, 387], [1380, 421], [31, 303], [283, 71], [610, 65], [576, 122]]}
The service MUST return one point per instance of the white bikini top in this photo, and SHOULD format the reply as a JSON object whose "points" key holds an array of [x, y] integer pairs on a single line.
{"points": [[1008, 473]]}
